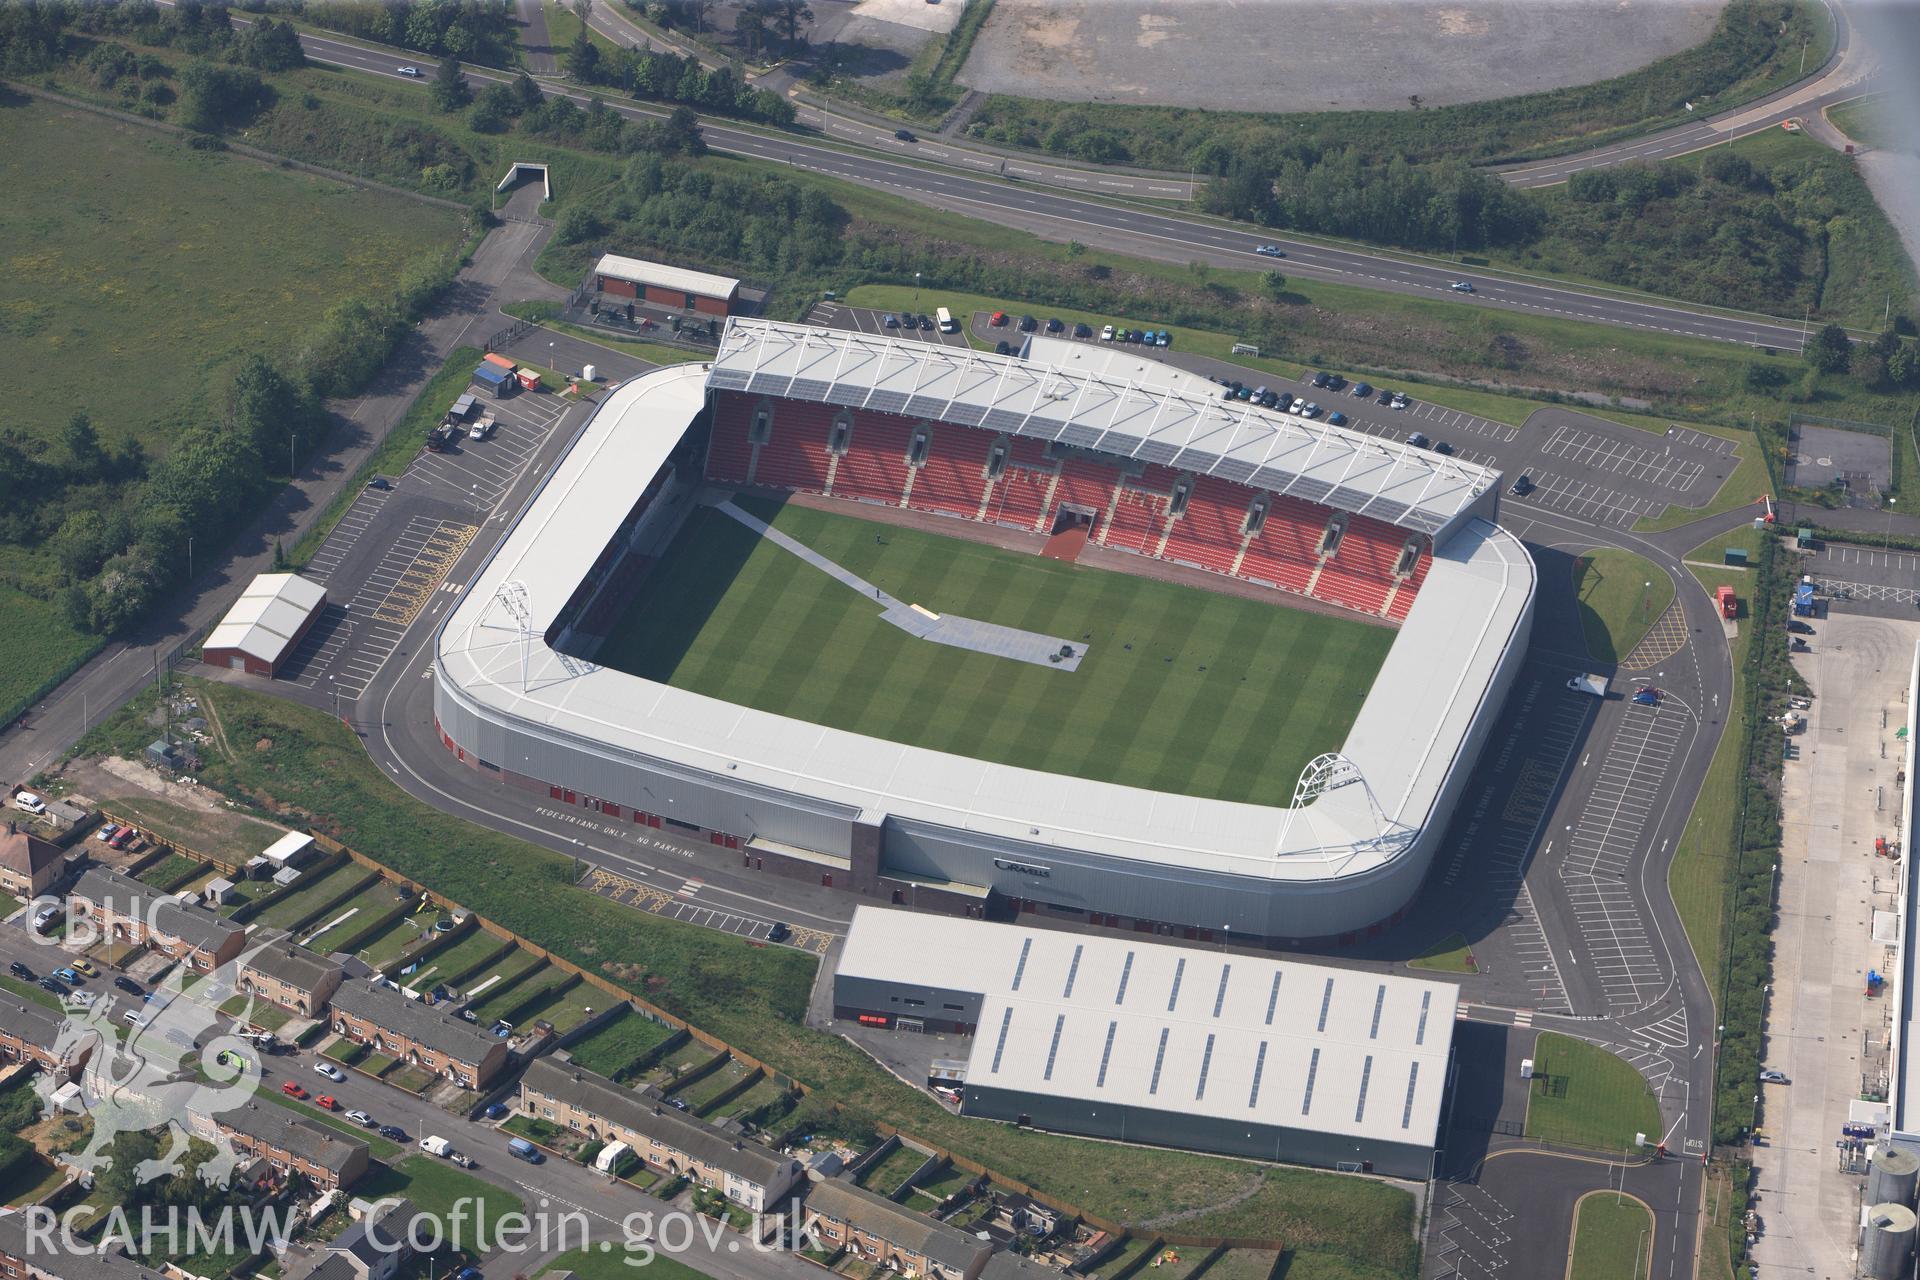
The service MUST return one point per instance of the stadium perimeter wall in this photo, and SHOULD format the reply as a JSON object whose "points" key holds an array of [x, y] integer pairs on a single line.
{"points": [[892, 857]]}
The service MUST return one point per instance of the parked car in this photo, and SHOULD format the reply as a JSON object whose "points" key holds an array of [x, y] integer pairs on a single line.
{"points": [[330, 1071], [1461, 286], [1335, 381], [1028, 324], [380, 482], [1002, 348], [1419, 440], [1106, 333], [1647, 696], [1399, 400], [1521, 487], [28, 802], [481, 429], [68, 976], [890, 321], [780, 932], [1385, 397], [326, 1103], [1163, 339], [1310, 410], [293, 1089], [1362, 389], [81, 999], [905, 135], [392, 1133], [410, 71], [925, 322], [1320, 379], [360, 1118], [524, 1150], [1794, 624], [128, 985], [467, 1273], [1082, 331], [1441, 446], [1270, 251], [132, 1017], [997, 319], [49, 985], [1055, 325], [21, 971], [1337, 418], [107, 832], [1770, 1076], [85, 966]]}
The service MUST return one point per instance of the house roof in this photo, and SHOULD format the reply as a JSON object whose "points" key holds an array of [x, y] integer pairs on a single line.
{"points": [[30, 1023], [92, 1264], [288, 962], [416, 1019], [25, 853], [192, 924], [621, 1106], [273, 1124], [659, 274], [378, 1234], [871, 1212], [268, 615]]}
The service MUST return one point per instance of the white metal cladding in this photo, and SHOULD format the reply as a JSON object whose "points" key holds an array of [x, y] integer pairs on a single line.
{"points": [[1168, 422]]}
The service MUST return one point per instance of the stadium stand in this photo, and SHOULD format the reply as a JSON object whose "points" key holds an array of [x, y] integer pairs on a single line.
{"points": [[874, 466], [795, 454], [954, 478], [1133, 513]]}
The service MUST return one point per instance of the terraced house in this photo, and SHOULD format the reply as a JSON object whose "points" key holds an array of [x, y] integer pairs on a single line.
{"points": [[127, 911], [289, 1142], [416, 1033], [289, 975], [28, 864], [37, 1252], [31, 1034], [873, 1228], [669, 1140]]}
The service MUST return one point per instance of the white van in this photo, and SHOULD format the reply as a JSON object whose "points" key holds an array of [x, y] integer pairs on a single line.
{"points": [[31, 803], [944, 318]]}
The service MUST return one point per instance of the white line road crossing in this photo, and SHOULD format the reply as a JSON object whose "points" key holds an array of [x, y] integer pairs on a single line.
{"points": [[1593, 452], [1872, 591]]}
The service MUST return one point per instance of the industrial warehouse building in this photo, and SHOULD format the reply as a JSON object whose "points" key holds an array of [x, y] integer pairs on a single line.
{"points": [[266, 624], [1139, 1041], [666, 286]]}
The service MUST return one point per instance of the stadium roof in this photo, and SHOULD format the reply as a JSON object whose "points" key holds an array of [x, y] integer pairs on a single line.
{"points": [[1203, 1033], [1150, 417], [660, 274], [267, 616], [1406, 741]]}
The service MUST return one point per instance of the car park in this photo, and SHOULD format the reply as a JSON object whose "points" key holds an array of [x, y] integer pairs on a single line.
{"points": [[1106, 333], [904, 135], [1337, 418], [1082, 331], [1646, 696], [1461, 286], [1521, 487], [1362, 389], [330, 1071], [413, 72], [1270, 251]]}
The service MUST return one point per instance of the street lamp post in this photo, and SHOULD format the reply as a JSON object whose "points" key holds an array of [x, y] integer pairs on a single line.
{"points": [[1886, 542], [916, 286], [189, 558]]}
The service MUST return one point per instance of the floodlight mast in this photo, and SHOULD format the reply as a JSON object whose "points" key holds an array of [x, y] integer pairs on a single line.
{"points": [[1330, 772], [513, 595]]}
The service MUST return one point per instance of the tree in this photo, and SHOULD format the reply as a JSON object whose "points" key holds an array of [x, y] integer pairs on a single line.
{"points": [[527, 93], [449, 90], [271, 46], [788, 15], [212, 95], [494, 111], [750, 28], [1276, 285], [84, 454], [583, 59], [264, 405], [1903, 366], [682, 129], [1830, 351]]}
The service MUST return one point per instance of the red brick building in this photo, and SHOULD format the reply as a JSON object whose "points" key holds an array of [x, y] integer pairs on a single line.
{"points": [[665, 286]]}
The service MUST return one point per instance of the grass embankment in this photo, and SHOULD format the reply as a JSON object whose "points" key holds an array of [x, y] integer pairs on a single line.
{"points": [[1755, 49], [1620, 596], [755, 997], [213, 257], [1869, 120], [1612, 1237], [401, 445], [1179, 689], [1583, 1096]]}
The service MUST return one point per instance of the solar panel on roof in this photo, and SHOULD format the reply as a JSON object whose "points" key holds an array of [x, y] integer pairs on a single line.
{"points": [[1053, 1050], [1273, 996], [1173, 996], [1379, 1003], [1413, 1078], [1113, 1027], [1159, 1057], [1000, 1045], [1259, 1066], [1073, 971], [1220, 996], [1206, 1063], [1366, 1075], [1326, 999], [1126, 971], [1306, 1099], [1420, 1032]]}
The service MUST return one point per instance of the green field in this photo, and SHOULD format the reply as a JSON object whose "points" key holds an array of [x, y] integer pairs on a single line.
{"points": [[435, 1188], [1585, 1097], [451, 963], [1612, 1237], [617, 1044], [1621, 595], [1181, 690]]}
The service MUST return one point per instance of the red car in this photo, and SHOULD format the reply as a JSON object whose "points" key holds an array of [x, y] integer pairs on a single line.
{"points": [[326, 1103], [293, 1089], [123, 838], [998, 318]]}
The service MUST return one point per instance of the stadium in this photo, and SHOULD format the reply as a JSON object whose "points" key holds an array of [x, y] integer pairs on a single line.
{"points": [[1059, 631]]}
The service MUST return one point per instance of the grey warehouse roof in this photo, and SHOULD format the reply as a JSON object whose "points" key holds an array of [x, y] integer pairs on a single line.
{"points": [[416, 1019], [1172, 422], [267, 616], [663, 276], [1201, 1033], [639, 1113]]}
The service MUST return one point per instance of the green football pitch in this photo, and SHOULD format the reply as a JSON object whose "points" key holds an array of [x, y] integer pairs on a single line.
{"points": [[1180, 690]]}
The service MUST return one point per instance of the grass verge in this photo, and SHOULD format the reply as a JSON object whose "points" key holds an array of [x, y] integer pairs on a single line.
{"points": [[1612, 1237], [1449, 955], [1583, 1096], [1620, 597]]}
